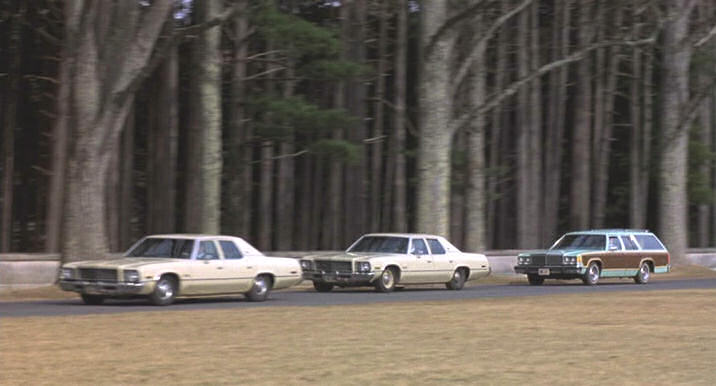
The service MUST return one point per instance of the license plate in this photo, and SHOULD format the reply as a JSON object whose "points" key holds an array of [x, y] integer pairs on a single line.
{"points": [[543, 271]]}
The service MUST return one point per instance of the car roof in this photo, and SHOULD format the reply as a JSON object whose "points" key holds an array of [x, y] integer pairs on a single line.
{"points": [[612, 231], [402, 235], [198, 236]]}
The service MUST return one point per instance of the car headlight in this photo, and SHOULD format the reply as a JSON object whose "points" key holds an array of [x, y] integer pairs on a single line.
{"points": [[131, 276], [67, 273], [523, 260], [306, 265], [363, 266], [569, 260]]}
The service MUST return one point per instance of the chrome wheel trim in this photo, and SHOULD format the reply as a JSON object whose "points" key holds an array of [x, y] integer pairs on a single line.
{"points": [[260, 285], [165, 289], [457, 276], [387, 278], [594, 273], [644, 272]]}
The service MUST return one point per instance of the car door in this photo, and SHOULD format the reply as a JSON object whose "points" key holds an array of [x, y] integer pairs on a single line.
{"points": [[419, 263], [240, 269], [207, 274], [443, 262]]}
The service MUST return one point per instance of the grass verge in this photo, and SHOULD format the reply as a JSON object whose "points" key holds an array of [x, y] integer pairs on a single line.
{"points": [[626, 338]]}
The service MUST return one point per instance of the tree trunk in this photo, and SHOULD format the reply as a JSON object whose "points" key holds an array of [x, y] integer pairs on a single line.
{"points": [[475, 176], [237, 173], [399, 221], [100, 105], [376, 148], [555, 129], [203, 196], [162, 154], [285, 190], [636, 213], [266, 197], [673, 198], [10, 123], [601, 174], [433, 166], [355, 206], [580, 184]]}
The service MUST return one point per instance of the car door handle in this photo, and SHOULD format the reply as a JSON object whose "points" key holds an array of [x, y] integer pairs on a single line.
{"points": [[249, 267], [428, 261], [219, 267]]}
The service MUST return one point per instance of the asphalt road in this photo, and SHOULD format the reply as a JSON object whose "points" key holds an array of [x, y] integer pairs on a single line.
{"points": [[311, 298]]}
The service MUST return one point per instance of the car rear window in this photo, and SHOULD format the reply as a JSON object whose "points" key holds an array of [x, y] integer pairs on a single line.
{"points": [[649, 242], [435, 247], [230, 250], [629, 244]]}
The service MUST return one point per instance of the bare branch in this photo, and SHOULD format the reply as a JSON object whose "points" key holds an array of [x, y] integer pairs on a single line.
{"points": [[706, 38], [496, 99], [479, 46], [290, 155], [452, 23]]}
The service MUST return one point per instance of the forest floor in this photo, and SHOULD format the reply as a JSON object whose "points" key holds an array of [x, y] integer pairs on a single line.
{"points": [[53, 292], [649, 337]]}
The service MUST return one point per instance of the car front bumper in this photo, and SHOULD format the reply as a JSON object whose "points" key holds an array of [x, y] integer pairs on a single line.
{"points": [[340, 278], [554, 271], [104, 287]]}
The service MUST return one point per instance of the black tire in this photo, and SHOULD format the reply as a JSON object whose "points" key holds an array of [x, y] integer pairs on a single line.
{"points": [[387, 280], [93, 300], [322, 287], [642, 277], [261, 289], [458, 280], [535, 279], [165, 291], [591, 277]]}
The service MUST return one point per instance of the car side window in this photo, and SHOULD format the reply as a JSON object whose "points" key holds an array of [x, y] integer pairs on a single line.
{"points": [[230, 250], [649, 242], [419, 247], [629, 245], [435, 247], [614, 244], [207, 251]]}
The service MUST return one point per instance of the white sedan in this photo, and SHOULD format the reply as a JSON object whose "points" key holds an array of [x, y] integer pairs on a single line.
{"points": [[384, 260], [162, 267]]}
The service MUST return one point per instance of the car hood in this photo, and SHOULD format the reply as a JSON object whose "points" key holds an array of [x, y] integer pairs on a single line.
{"points": [[124, 263], [351, 256]]}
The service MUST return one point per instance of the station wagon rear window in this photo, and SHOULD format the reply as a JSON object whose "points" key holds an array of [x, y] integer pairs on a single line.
{"points": [[158, 247], [383, 244], [596, 242], [649, 242]]}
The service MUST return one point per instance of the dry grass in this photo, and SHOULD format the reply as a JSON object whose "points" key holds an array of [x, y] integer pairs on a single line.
{"points": [[617, 338]]}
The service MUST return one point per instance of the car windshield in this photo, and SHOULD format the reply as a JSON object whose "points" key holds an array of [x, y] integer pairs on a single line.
{"points": [[596, 242], [160, 247], [383, 244]]}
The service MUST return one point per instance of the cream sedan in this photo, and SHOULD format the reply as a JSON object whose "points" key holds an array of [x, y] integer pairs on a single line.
{"points": [[163, 267], [385, 260]]}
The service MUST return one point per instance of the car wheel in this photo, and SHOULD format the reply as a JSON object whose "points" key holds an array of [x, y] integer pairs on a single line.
{"points": [[457, 281], [535, 279], [92, 299], [591, 277], [386, 281], [322, 287], [642, 277], [165, 291], [261, 289]]}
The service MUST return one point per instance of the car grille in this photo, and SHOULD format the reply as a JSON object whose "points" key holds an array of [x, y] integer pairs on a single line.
{"points": [[98, 274], [334, 266], [546, 259]]}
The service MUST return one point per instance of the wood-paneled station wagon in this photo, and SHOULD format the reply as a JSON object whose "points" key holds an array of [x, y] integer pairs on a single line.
{"points": [[590, 255], [385, 260], [163, 267]]}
